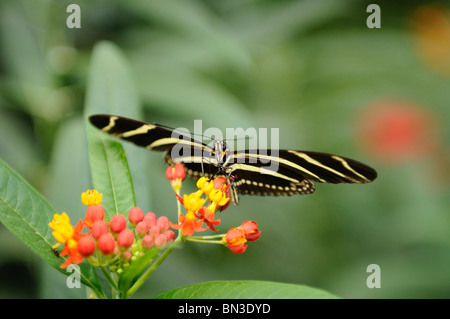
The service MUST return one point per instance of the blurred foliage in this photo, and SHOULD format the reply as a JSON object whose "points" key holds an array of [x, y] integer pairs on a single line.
{"points": [[310, 68]]}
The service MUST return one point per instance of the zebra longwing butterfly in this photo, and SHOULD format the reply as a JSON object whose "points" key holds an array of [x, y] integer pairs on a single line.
{"points": [[295, 174]]}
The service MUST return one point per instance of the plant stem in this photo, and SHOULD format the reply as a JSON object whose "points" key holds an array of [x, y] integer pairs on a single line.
{"points": [[206, 237], [99, 293], [109, 278], [178, 214], [200, 240], [155, 265]]}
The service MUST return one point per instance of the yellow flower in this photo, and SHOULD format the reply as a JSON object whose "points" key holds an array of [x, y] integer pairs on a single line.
{"points": [[91, 197], [205, 185], [62, 229], [66, 234], [218, 197], [193, 202]]}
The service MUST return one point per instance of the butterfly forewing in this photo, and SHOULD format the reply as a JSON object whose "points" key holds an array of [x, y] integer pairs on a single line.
{"points": [[151, 136]]}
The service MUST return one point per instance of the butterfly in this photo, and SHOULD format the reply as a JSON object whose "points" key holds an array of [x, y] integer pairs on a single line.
{"points": [[290, 171]]}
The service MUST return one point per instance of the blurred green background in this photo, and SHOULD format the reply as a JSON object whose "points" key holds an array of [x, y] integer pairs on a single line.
{"points": [[311, 68]]}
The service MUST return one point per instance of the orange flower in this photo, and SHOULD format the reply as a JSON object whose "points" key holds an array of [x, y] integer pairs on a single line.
{"points": [[431, 32], [217, 193], [66, 234], [235, 240], [397, 131], [207, 215], [250, 229], [188, 224]]}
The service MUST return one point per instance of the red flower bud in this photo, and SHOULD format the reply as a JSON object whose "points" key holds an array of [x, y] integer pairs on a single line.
{"points": [[170, 236], [150, 219], [142, 229], [169, 173], [106, 243], [235, 240], [163, 223], [93, 213], [86, 246], [250, 229], [176, 174], [126, 238], [160, 241], [238, 249], [99, 228], [126, 256], [154, 231], [147, 242], [220, 182], [118, 223], [135, 215]]}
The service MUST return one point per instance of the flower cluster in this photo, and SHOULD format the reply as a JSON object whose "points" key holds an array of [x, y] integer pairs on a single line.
{"points": [[153, 231], [236, 238], [118, 242], [201, 206], [70, 236], [109, 243], [216, 192]]}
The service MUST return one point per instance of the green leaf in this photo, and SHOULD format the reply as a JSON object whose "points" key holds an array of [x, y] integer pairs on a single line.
{"points": [[136, 268], [110, 173], [245, 290], [27, 214], [110, 91]]}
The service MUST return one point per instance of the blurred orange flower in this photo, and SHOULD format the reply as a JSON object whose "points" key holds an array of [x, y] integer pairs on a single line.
{"points": [[431, 32], [398, 131]]}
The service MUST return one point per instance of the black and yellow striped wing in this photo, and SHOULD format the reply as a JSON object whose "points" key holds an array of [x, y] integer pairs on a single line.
{"points": [[159, 138], [151, 136], [254, 172], [291, 172]]}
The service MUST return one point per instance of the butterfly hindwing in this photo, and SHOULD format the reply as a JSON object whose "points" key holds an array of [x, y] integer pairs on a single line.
{"points": [[314, 166]]}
